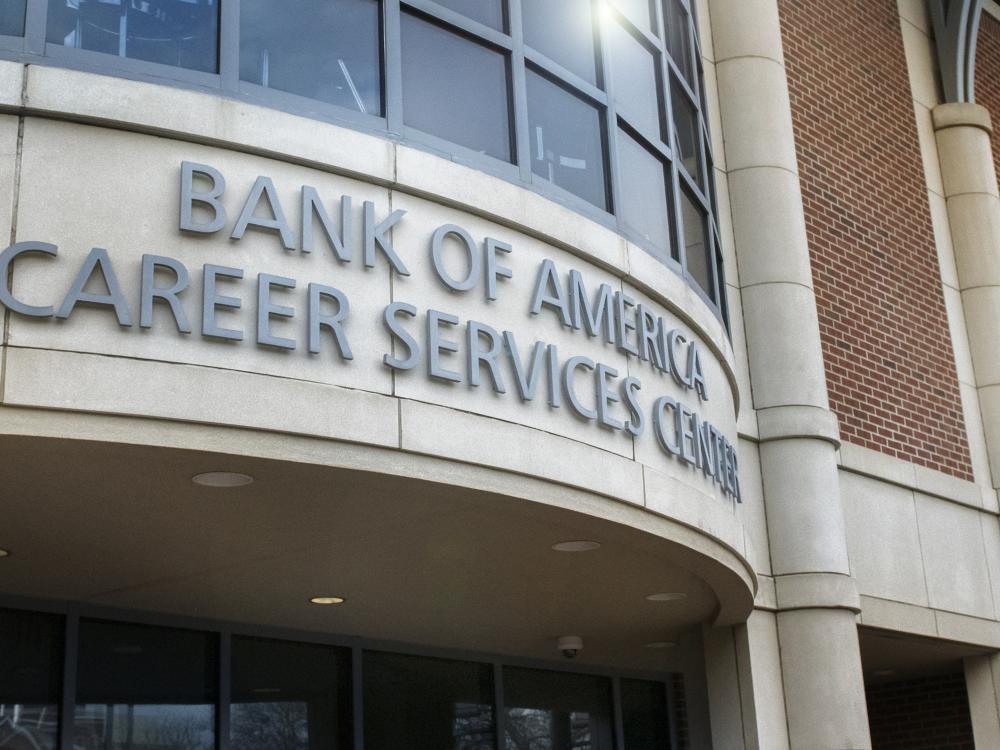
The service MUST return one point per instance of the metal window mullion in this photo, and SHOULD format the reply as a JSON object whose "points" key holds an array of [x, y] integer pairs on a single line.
{"points": [[567, 78], [225, 696], [667, 82], [36, 13], [519, 92], [229, 46], [357, 699], [456, 21], [612, 185], [67, 704], [500, 720], [617, 715], [672, 712], [393, 51]]}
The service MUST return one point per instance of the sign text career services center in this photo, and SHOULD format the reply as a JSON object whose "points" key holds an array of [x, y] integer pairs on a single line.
{"points": [[442, 345]]}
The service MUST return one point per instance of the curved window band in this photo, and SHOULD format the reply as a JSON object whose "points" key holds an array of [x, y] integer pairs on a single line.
{"points": [[594, 103]]}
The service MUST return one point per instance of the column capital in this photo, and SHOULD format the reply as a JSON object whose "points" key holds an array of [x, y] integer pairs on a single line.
{"points": [[962, 114]]}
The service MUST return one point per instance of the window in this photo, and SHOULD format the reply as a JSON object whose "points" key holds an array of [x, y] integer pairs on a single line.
{"points": [[562, 30], [696, 242], [145, 688], [328, 50], [645, 715], [556, 710], [292, 696], [31, 646], [597, 104], [180, 33], [455, 88], [566, 140], [488, 12], [644, 202], [413, 701], [637, 86], [12, 17]]}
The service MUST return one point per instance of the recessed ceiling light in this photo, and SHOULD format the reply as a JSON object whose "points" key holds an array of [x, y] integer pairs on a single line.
{"points": [[327, 600], [670, 597], [222, 479], [660, 644], [581, 545], [4, 553]]}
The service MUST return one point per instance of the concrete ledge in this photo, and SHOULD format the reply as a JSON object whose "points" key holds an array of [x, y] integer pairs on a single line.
{"points": [[790, 422], [962, 114], [816, 591], [870, 463], [928, 622]]}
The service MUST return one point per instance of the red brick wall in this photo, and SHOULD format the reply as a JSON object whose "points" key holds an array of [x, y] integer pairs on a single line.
{"points": [[931, 713], [889, 362], [988, 73]]}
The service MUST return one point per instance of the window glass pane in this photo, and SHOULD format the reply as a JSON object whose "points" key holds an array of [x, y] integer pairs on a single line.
{"points": [[644, 201], [687, 134], [566, 142], [291, 696], [323, 49], [489, 12], [145, 688], [645, 715], [696, 243], [413, 701], [637, 89], [12, 20], [556, 710], [638, 12], [564, 31], [454, 88], [181, 33], [31, 646], [675, 18]]}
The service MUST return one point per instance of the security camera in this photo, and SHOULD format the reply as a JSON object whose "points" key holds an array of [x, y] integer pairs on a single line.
{"points": [[569, 645]]}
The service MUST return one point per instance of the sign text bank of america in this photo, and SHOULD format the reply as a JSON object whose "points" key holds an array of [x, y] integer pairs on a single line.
{"points": [[446, 348]]}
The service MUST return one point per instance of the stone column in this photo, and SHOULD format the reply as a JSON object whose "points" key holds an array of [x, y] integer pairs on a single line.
{"points": [[982, 678], [970, 187], [817, 599]]}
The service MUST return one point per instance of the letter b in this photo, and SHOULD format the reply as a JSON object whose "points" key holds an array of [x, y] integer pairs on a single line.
{"points": [[209, 199]]}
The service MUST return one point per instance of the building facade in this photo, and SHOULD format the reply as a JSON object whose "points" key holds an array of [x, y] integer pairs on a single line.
{"points": [[523, 374]]}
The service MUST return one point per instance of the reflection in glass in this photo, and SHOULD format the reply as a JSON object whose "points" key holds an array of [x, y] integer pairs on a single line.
{"points": [[644, 203], [145, 688], [636, 81], [30, 677], [562, 30], [289, 696], [686, 134], [556, 710], [638, 12], [696, 243], [420, 702], [12, 21], [323, 49], [489, 12], [180, 33], [455, 88], [675, 18], [566, 140], [645, 715]]}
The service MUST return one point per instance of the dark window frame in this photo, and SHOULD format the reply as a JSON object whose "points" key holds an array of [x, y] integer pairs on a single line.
{"points": [[33, 48], [225, 632]]}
